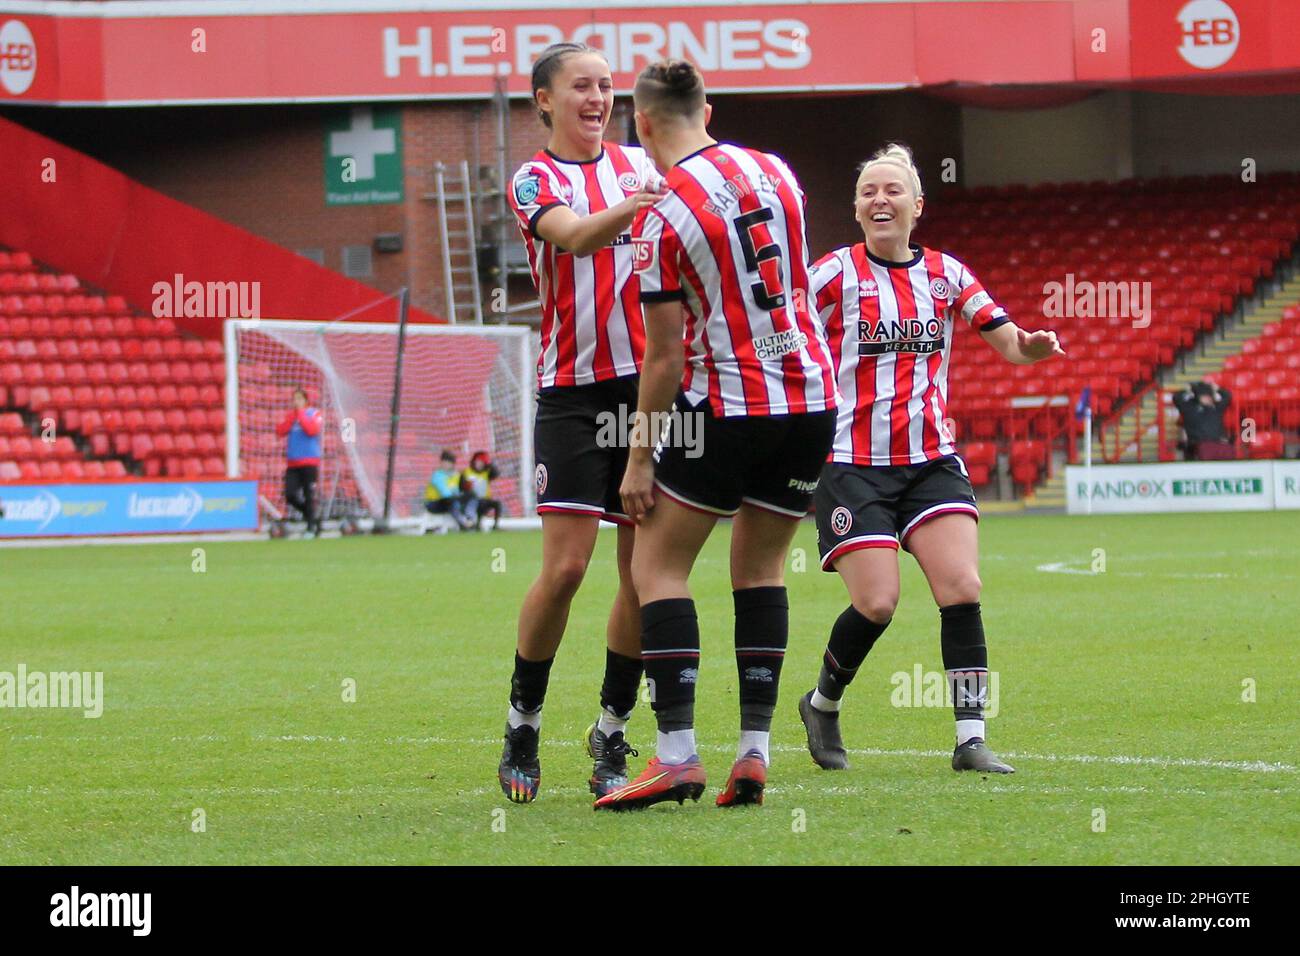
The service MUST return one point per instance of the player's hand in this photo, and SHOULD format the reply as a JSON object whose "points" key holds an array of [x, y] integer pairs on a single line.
{"points": [[1039, 345], [644, 197], [637, 490]]}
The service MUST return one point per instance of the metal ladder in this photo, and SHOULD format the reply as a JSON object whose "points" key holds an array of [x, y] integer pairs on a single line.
{"points": [[460, 280]]}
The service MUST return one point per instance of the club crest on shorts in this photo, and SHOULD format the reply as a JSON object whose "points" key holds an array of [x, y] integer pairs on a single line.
{"points": [[939, 288], [539, 478], [629, 182], [841, 520]]}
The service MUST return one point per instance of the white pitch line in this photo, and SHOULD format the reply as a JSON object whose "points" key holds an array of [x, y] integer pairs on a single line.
{"points": [[1063, 567], [1249, 766], [1245, 766]]}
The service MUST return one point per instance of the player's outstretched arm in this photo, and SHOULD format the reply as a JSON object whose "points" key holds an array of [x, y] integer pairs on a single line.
{"points": [[583, 235], [1020, 347], [661, 376]]}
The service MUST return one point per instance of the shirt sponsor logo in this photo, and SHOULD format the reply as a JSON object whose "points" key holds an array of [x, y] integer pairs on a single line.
{"points": [[779, 344], [922, 336], [643, 254]]}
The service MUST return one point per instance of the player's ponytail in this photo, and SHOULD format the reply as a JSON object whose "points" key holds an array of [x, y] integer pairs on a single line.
{"points": [[549, 63], [898, 155], [670, 88]]}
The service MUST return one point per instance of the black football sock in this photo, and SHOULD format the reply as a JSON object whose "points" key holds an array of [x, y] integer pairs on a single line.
{"points": [[622, 679], [966, 661], [670, 650], [762, 631], [528, 684], [852, 636]]}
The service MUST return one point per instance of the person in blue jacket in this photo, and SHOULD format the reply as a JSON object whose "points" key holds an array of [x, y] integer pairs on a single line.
{"points": [[301, 427], [443, 495]]}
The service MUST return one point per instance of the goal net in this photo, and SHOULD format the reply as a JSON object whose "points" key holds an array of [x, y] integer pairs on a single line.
{"points": [[467, 389]]}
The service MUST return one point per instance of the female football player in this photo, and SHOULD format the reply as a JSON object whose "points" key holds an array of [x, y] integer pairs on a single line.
{"points": [[575, 201], [722, 267], [894, 478]]}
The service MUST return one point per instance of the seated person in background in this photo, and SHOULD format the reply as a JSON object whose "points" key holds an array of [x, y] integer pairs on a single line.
{"points": [[475, 481], [443, 495], [1201, 406]]}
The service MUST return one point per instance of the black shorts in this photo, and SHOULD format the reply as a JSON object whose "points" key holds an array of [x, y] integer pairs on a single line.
{"points": [[579, 469], [715, 465], [878, 506]]}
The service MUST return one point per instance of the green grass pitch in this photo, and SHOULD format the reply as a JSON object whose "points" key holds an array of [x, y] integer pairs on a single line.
{"points": [[1120, 704]]}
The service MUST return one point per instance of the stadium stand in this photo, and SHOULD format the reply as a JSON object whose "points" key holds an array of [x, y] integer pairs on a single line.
{"points": [[127, 394], [1201, 259]]}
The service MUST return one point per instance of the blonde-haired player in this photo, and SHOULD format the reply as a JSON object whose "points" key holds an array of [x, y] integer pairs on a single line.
{"points": [[894, 478]]}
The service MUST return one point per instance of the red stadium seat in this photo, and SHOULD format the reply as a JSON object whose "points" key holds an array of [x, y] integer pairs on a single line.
{"points": [[1267, 444]]}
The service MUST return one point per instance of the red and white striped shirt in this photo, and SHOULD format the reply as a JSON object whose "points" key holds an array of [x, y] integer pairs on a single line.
{"points": [[728, 242], [592, 328], [890, 332]]}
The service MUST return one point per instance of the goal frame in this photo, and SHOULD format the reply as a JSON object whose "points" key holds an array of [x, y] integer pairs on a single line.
{"points": [[527, 377]]}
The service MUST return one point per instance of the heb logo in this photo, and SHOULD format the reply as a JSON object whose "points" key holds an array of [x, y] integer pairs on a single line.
{"points": [[1210, 33], [17, 57]]}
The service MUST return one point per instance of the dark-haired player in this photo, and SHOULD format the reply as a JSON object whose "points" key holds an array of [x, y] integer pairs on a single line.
{"points": [[575, 201], [894, 478], [721, 262]]}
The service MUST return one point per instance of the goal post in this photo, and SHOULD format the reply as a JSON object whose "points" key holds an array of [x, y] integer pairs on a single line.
{"points": [[463, 388]]}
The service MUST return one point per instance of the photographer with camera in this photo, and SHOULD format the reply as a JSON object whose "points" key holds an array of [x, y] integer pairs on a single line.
{"points": [[1201, 406]]}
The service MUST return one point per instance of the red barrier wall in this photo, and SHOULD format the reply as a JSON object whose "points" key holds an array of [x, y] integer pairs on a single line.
{"points": [[114, 233]]}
